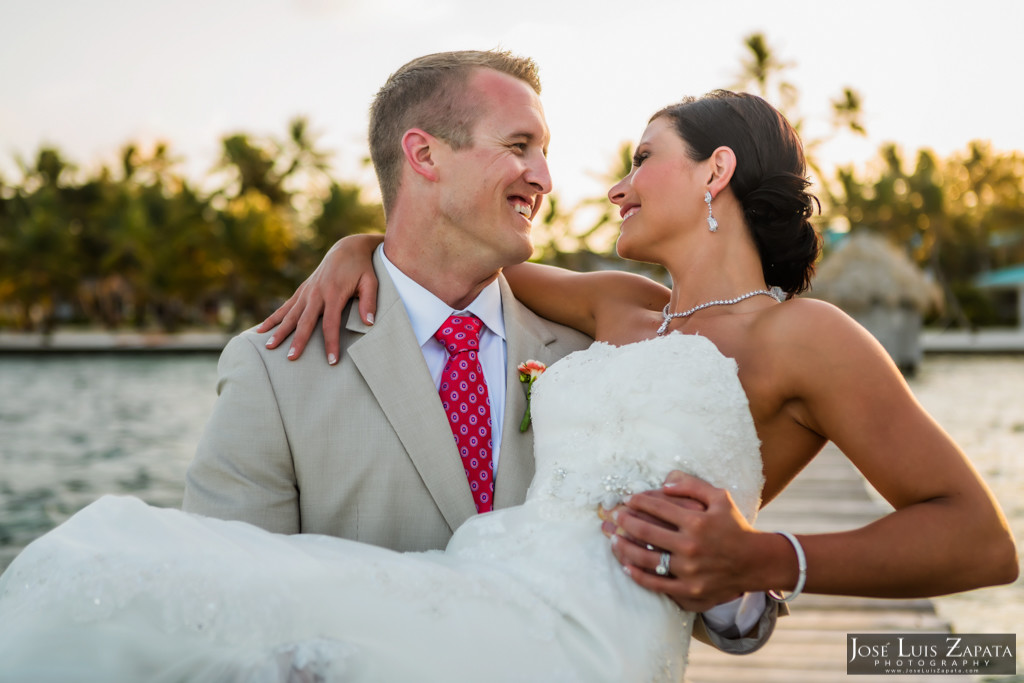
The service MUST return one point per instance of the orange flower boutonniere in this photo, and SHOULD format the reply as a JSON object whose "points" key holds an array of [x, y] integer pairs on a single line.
{"points": [[528, 374]]}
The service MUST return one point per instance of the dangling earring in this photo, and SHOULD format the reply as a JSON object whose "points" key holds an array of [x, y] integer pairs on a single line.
{"points": [[712, 223]]}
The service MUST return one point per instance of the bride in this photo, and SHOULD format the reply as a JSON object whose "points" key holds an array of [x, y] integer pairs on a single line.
{"points": [[717, 195], [717, 379]]}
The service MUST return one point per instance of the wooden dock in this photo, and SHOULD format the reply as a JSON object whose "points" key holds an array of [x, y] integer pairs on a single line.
{"points": [[809, 645]]}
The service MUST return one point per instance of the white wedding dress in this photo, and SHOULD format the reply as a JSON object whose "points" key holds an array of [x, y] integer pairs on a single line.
{"points": [[127, 592]]}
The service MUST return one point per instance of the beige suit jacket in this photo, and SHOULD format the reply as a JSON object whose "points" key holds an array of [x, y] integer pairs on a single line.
{"points": [[361, 450]]}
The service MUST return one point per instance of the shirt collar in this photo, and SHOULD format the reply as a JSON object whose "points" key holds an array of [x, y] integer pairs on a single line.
{"points": [[427, 312]]}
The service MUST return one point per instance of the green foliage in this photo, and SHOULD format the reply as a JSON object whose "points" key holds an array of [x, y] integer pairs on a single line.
{"points": [[977, 307], [761, 71], [145, 248], [956, 218]]}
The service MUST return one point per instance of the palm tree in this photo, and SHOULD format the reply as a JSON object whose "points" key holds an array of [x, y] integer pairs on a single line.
{"points": [[762, 71], [271, 166], [40, 255], [848, 112]]}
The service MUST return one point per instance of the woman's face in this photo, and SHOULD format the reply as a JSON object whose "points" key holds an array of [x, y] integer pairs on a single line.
{"points": [[662, 196]]}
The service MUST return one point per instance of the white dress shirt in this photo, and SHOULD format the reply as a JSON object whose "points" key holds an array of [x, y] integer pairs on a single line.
{"points": [[427, 313]]}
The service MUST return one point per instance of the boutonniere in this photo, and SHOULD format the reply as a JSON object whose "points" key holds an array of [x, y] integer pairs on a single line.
{"points": [[528, 374]]}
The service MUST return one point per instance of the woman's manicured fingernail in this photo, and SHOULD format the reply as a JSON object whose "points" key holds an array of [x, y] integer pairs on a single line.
{"points": [[291, 352], [270, 342], [369, 318], [331, 359]]}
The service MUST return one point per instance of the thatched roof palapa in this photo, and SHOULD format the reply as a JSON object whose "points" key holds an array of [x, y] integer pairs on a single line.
{"points": [[865, 270]]}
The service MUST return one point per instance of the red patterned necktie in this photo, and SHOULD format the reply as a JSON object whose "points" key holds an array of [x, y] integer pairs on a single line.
{"points": [[464, 397]]}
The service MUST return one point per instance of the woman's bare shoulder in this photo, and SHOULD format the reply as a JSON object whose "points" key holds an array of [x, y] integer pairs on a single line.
{"points": [[813, 339], [805, 320]]}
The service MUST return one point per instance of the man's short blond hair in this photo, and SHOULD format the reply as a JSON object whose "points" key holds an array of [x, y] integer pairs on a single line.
{"points": [[429, 93]]}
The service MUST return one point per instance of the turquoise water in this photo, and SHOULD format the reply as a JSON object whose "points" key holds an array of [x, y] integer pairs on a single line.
{"points": [[77, 427]]}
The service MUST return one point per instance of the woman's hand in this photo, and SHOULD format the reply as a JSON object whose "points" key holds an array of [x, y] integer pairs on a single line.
{"points": [[701, 529], [345, 272]]}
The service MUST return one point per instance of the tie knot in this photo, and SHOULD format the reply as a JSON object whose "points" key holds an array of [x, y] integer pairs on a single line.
{"points": [[460, 333]]}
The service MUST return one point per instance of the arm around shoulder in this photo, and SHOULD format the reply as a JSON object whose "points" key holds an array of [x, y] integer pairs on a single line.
{"points": [[578, 300], [243, 468]]}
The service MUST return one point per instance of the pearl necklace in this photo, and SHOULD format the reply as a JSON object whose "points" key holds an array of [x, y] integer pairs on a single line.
{"points": [[718, 302]]}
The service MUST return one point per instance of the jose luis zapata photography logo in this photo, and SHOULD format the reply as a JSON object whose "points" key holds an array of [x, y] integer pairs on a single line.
{"points": [[931, 653]]}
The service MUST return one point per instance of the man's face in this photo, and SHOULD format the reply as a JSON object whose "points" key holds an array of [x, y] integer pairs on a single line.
{"points": [[492, 189]]}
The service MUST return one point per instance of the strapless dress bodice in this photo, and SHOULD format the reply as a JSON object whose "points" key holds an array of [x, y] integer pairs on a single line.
{"points": [[611, 421]]}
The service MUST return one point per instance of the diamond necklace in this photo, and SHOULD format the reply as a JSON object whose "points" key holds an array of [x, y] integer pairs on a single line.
{"points": [[718, 302]]}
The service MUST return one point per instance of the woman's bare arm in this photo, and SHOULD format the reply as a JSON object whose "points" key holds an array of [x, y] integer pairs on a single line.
{"points": [[947, 533], [581, 300]]}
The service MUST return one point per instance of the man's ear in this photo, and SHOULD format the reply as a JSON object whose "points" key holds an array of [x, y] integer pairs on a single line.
{"points": [[418, 146], [722, 163]]}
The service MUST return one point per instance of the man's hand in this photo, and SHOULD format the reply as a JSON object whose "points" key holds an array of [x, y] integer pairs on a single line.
{"points": [[698, 525]]}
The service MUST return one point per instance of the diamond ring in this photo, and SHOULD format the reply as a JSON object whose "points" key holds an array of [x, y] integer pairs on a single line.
{"points": [[662, 568]]}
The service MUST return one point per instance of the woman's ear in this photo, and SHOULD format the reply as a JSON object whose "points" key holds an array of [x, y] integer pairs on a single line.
{"points": [[722, 164], [418, 147]]}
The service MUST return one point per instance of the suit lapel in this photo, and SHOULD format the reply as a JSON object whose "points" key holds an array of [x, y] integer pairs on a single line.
{"points": [[526, 339], [392, 365]]}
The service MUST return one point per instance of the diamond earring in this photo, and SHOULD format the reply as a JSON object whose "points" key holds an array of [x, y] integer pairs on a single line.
{"points": [[712, 223]]}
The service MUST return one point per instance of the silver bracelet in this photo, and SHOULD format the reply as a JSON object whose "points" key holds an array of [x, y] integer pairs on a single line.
{"points": [[801, 561]]}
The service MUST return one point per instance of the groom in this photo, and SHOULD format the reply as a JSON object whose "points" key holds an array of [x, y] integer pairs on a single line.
{"points": [[365, 450]]}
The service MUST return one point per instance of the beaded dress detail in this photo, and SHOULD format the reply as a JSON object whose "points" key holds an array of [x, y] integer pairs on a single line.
{"points": [[126, 592]]}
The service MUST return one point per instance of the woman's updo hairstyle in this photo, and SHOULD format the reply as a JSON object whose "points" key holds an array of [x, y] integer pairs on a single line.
{"points": [[769, 180]]}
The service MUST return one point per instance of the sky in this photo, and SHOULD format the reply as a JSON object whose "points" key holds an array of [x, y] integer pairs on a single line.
{"points": [[89, 76]]}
